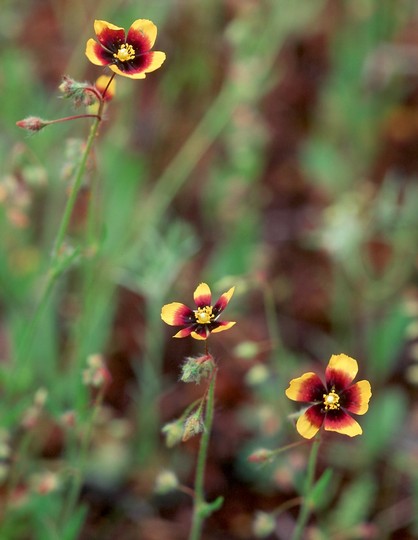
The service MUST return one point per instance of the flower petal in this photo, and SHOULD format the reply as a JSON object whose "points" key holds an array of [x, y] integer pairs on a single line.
{"points": [[308, 388], [310, 421], [343, 423], [109, 35], [177, 314], [156, 59], [202, 295], [96, 54], [340, 372], [142, 34], [201, 332], [356, 398], [184, 332], [140, 65], [221, 326], [130, 74], [223, 301]]}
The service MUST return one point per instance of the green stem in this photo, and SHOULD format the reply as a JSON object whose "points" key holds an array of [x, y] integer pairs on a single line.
{"points": [[199, 497], [74, 192], [306, 503], [17, 471], [59, 239], [78, 179], [30, 330], [78, 475]]}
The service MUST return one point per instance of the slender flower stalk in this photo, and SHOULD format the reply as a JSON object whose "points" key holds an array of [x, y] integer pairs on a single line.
{"points": [[54, 266], [199, 323], [306, 507], [78, 179], [78, 475], [199, 495]]}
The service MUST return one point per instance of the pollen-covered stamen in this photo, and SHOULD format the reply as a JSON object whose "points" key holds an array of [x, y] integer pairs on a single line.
{"points": [[126, 52], [331, 400], [204, 315]]}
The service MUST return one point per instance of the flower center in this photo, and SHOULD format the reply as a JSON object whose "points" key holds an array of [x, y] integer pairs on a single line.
{"points": [[126, 52], [204, 315], [331, 400]]}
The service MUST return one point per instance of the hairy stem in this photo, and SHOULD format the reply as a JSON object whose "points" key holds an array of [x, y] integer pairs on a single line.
{"points": [[199, 497]]}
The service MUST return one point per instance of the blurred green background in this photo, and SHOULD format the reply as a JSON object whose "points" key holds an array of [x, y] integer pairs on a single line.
{"points": [[276, 150]]}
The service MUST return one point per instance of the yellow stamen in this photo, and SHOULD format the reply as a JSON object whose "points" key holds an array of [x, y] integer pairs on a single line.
{"points": [[126, 52], [331, 400], [204, 315]]}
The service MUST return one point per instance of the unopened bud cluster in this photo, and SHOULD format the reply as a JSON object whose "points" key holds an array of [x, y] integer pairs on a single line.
{"points": [[34, 411], [196, 369], [96, 374], [193, 425], [82, 93]]}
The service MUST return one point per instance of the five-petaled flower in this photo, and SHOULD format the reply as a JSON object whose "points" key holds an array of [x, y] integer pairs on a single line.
{"points": [[203, 320], [129, 55], [331, 403]]}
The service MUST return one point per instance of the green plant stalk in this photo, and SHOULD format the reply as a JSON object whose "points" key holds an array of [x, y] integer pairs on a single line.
{"points": [[199, 496], [307, 503], [65, 220], [77, 478], [16, 473], [59, 239]]}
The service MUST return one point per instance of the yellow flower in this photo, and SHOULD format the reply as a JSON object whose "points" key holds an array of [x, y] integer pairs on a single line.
{"points": [[128, 55], [331, 403], [198, 323]]}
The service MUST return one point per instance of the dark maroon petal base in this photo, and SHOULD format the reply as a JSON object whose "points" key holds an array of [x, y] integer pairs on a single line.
{"points": [[137, 65], [315, 415], [139, 41], [111, 39], [337, 380]]}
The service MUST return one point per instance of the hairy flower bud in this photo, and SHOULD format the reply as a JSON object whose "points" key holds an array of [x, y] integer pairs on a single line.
{"points": [[32, 123], [82, 93], [173, 432], [261, 455], [196, 369], [193, 425]]}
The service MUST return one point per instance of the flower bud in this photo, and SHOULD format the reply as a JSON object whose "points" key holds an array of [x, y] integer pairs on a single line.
{"points": [[44, 483], [264, 524], [246, 349], [80, 93], [32, 123], [261, 455], [196, 369], [173, 433], [41, 395], [193, 425], [256, 375], [68, 419], [165, 482], [96, 374]]}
